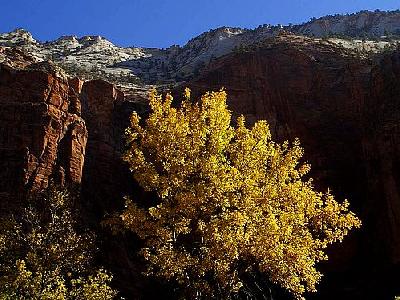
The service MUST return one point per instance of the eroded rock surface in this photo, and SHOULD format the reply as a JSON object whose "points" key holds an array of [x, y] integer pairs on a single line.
{"points": [[42, 135]]}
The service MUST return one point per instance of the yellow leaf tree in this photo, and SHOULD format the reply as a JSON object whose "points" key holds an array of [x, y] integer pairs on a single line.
{"points": [[42, 256], [230, 200]]}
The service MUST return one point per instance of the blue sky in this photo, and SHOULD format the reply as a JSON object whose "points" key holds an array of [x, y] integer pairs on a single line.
{"points": [[160, 23]]}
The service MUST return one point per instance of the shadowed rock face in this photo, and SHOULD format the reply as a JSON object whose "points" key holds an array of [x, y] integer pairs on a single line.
{"points": [[106, 179], [346, 112], [304, 90]]}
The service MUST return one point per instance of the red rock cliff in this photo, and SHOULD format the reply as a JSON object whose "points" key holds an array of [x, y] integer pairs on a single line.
{"points": [[42, 134], [71, 132]]}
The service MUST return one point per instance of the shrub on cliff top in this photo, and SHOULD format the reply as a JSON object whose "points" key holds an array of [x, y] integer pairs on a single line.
{"points": [[231, 201]]}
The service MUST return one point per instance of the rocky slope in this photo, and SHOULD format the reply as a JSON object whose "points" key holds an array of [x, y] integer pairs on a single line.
{"points": [[364, 24], [89, 57], [133, 68]]}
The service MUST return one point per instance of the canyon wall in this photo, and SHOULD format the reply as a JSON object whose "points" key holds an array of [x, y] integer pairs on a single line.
{"points": [[344, 108], [42, 134]]}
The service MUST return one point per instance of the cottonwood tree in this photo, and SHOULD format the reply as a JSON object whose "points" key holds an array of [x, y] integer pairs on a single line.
{"points": [[230, 201], [42, 256]]}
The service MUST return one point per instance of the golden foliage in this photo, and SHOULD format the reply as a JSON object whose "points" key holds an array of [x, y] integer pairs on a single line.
{"points": [[43, 257], [231, 200]]}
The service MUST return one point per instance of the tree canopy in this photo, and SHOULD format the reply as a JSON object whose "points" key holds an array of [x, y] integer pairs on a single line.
{"points": [[230, 200]]}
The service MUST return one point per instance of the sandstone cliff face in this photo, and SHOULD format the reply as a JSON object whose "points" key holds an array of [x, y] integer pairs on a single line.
{"points": [[66, 130], [42, 135], [106, 179], [346, 112]]}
